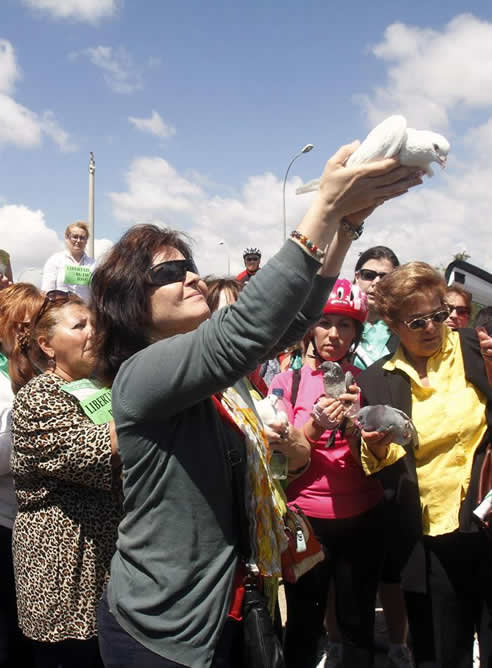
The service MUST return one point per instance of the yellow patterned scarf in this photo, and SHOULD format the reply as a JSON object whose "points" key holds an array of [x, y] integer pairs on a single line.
{"points": [[265, 502]]}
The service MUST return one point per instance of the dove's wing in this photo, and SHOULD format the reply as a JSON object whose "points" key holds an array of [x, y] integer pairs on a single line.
{"points": [[308, 187], [384, 141]]}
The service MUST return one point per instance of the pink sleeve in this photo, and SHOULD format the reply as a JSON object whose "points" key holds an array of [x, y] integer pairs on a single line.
{"points": [[284, 382]]}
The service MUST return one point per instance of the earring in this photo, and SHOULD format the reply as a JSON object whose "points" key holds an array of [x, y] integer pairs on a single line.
{"points": [[52, 363]]}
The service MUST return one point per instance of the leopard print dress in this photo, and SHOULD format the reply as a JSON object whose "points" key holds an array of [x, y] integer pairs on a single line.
{"points": [[66, 527]]}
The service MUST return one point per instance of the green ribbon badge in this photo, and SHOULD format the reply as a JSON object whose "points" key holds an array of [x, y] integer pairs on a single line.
{"points": [[94, 400], [76, 275]]}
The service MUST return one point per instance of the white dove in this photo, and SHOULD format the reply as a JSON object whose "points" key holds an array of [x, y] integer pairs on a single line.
{"points": [[392, 137]]}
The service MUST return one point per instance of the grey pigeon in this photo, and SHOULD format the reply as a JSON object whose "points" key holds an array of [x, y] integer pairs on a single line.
{"points": [[335, 381], [385, 418]]}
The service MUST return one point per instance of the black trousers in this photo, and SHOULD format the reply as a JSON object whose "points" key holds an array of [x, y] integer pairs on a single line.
{"points": [[458, 602], [354, 554], [15, 650], [71, 653]]}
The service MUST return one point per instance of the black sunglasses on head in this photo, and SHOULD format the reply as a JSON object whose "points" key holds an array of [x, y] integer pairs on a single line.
{"points": [[52, 297], [171, 271]]}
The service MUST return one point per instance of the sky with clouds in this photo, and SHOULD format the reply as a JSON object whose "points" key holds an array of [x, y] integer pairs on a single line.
{"points": [[194, 110]]}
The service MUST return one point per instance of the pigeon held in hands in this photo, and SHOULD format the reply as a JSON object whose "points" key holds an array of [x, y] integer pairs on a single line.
{"points": [[385, 418], [335, 381], [392, 138]]}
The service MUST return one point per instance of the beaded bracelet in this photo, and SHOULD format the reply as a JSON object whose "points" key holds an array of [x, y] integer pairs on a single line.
{"points": [[353, 231], [309, 245]]}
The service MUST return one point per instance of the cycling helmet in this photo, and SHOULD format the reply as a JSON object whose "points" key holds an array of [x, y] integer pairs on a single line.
{"points": [[252, 251], [347, 298]]}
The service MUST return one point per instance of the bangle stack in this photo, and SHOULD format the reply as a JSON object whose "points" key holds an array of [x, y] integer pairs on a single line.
{"points": [[353, 231], [308, 245]]}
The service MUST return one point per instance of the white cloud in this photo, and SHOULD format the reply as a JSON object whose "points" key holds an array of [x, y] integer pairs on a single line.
{"points": [[18, 124], [90, 11], [9, 70], [155, 189], [119, 70], [27, 238], [101, 247], [433, 73], [52, 129], [155, 125], [478, 141]]}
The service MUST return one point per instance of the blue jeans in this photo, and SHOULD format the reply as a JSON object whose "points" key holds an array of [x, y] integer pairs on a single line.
{"points": [[120, 650]]}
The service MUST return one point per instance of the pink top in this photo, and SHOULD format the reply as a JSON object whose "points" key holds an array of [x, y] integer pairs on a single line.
{"points": [[334, 486]]}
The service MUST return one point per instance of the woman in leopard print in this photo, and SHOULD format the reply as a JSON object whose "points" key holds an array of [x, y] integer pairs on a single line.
{"points": [[63, 467]]}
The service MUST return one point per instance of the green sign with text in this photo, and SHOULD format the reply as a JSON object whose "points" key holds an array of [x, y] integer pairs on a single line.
{"points": [[94, 400], [75, 275]]}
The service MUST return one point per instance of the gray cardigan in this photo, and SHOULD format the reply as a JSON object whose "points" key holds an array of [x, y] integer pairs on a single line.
{"points": [[172, 573]]}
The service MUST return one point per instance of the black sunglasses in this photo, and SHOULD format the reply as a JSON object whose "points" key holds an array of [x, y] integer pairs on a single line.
{"points": [[421, 322], [52, 297], [172, 271], [370, 274], [460, 310]]}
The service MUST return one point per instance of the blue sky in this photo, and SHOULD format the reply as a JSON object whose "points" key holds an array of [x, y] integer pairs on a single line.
{"points": [[194, 110]]}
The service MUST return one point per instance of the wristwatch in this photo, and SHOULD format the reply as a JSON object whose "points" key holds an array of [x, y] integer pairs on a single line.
{"points": [[353, 231]]}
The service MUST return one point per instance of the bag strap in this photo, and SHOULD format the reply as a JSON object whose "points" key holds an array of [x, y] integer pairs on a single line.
{"points": [[237, 471], [296, 381]]}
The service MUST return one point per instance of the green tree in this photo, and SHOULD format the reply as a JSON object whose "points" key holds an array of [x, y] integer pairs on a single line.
{"points": [[462, 255]]}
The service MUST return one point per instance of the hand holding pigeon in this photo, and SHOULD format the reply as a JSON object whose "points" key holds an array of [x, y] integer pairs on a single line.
{"points": [[392, 138], [384, 419]]}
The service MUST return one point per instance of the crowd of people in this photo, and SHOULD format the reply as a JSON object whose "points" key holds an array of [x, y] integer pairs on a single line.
{"points": [[136, 490]]}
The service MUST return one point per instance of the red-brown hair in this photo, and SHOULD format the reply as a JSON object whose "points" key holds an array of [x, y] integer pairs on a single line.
{"points": [[405, 284], [19, 304]]}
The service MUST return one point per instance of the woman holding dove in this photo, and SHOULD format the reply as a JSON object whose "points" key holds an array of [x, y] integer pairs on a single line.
{"points": [[181, 409]]}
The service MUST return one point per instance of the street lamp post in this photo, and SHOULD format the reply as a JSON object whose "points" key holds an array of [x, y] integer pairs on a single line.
{"points": [[92, 174], [306, 149], [223, 243]]}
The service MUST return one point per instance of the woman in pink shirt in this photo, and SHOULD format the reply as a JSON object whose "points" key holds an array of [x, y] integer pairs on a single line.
{"points": [[344, 506]]}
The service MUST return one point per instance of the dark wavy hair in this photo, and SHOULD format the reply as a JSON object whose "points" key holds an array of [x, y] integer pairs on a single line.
{"points": [[377, 253], [120, 295]]}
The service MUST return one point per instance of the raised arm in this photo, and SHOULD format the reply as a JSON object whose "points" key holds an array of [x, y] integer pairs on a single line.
{"points": [[174, 373]]}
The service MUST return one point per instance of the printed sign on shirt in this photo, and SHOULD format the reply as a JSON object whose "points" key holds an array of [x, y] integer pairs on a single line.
{"points": [[94, 400], [76, 275]]}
